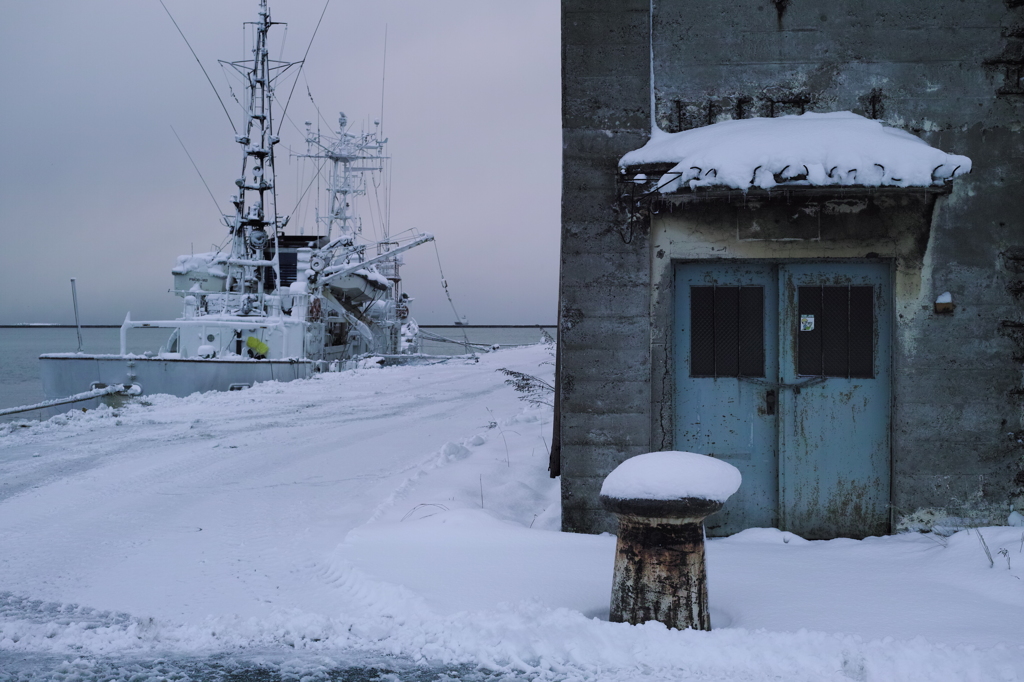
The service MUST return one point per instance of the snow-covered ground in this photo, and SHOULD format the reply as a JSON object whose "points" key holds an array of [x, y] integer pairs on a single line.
{"points": [[402, 520]]}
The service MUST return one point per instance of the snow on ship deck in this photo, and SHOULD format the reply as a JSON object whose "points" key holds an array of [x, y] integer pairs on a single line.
{"points": [[406, 512]]}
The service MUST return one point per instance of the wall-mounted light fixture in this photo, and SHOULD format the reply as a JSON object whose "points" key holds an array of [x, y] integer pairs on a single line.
{"points": [[944, 304]]}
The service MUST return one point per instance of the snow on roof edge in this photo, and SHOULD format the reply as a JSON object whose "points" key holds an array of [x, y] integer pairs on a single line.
{"points": [[838, 148]]}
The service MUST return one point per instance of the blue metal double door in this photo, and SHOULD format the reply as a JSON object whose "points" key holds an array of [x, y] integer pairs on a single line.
{"points": [[783, 370]]}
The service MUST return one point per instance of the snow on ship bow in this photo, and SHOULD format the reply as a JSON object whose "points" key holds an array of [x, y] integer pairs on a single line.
{"points": [[270, 306]]}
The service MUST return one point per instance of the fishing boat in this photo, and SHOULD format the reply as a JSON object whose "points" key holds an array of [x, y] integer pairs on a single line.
{"points": [[269, 305]]}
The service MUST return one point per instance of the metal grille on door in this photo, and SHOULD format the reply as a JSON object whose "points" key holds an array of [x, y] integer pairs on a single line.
{"points": [[727, 327], [837, 328]]}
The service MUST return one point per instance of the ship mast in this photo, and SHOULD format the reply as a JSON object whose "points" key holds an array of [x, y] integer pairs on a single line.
{"points": [[352, 157], [256, 225]]}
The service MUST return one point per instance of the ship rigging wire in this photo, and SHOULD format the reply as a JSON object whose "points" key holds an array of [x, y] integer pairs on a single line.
{"points": [[316, 199], [380, 213], [284, 39], [310, 93], [317, 177], [385, 217], [231, 91], [444, 285], [219, 99], [208, 190], [383, 77], [303, 62]]}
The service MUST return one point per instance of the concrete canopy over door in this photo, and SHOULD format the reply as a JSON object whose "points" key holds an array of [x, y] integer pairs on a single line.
{"points": [[783, 369]]}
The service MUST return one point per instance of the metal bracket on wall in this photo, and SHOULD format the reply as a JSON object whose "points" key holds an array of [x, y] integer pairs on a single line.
{"points": [[1013, 75], [796, 104], [636, 198], [1014, 329], [1013, 260]]}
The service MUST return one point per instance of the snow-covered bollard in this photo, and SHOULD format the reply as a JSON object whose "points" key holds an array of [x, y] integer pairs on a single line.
{"points": [[661, 500]]}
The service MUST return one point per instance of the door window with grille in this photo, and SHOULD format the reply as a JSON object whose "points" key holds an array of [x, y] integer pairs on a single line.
{"points": [[727, 331], [836, 332]]}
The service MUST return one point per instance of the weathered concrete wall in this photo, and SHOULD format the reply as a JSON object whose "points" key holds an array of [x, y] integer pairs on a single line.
{"points": [[948, 71], [604, 291]]}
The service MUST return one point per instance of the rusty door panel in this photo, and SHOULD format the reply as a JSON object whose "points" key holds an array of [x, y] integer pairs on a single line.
{"points": [[731, 417], [834, 433]]}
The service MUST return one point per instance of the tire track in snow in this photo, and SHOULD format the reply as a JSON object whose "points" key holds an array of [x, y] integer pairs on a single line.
{"points": [[270, 478]]}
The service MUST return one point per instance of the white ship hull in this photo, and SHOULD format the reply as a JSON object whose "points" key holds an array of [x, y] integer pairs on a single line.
{"points": [[66, 374]]}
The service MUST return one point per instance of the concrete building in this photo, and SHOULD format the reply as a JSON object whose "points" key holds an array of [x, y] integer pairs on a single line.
{"points": [[940, 435]]}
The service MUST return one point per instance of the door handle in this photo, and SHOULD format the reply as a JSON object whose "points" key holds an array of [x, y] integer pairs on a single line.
{"points": [[807, 383], [769, 402]]}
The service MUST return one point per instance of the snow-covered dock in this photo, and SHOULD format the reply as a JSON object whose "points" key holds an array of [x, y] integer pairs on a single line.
{"points": [[406, 513]]}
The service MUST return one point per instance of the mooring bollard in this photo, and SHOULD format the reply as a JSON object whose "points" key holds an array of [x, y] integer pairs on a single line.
{"points": [[661, 500]]}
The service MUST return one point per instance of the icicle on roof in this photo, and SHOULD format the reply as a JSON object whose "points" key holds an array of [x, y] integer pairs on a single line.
{"points": [[838, 148]]}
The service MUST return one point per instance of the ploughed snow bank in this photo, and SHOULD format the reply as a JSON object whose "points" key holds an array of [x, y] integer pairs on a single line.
{"points": [[838, 148], [672, 476]]}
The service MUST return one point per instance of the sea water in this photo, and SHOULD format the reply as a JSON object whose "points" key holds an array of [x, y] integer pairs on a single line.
{"points": [[21, 347]]}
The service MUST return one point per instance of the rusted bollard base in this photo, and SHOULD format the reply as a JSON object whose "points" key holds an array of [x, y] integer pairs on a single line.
{"points": [[660, 572]]}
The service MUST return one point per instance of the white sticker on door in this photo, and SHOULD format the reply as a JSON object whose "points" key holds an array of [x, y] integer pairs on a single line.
{"points": [[807, 323]]}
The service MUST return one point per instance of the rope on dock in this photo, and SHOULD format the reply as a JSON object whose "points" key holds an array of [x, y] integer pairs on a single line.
{"points": [[428, 336], [77, 398]]}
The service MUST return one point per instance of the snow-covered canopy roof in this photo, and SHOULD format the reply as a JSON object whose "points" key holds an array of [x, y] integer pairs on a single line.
{"points": [[839, 148]]}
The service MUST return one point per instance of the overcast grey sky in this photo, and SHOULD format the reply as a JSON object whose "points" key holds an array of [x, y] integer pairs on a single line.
{"points": [[94, 185]]}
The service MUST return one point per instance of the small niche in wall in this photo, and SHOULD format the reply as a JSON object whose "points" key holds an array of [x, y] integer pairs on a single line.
{"points": [[944, 304]]}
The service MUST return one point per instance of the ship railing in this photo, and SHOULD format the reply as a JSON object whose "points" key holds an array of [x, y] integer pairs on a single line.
{"points": [[249, 323]]}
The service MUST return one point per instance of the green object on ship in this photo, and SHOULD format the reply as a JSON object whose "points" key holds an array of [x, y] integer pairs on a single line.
{"points": [[259, 348]]}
